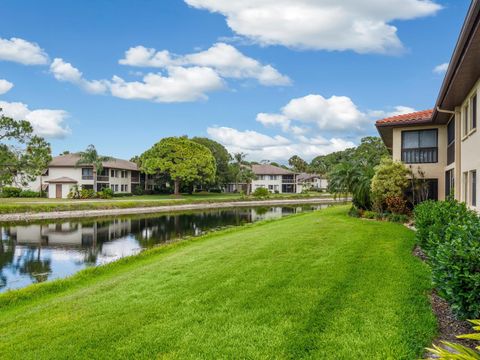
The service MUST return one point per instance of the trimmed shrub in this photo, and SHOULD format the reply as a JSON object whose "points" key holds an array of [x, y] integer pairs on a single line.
{"points": [[138, 190], [396, 205], [369, 215], [106, 193], [87, 194], [29, 194], [449, 233], [354, 212], [261, 193], [11, 192]]}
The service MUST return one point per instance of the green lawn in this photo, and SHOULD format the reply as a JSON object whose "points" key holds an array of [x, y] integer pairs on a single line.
{"points": [[318, 285], [19, 205]]}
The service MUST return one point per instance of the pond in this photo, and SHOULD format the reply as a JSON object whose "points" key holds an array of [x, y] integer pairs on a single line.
{"points": [[37, 252]]}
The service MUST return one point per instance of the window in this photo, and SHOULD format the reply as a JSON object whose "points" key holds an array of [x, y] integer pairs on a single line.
{"points": [[112, 173], [473, 107], [473, 182], [449, 182], [116, 187], [126, 188], [451, 142], [465, 112], [465, 186], [420, 146], [87, 174]]}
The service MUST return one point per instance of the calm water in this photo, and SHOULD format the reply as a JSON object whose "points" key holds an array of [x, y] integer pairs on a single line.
{"points": [[39, 252]]}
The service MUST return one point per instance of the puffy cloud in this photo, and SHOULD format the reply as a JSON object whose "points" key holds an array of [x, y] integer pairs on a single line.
{"points": [[22, 51], [259, 146], [45, 122], [63, 71], [362, 26], [5, 86], [441, 69], [225, 59], [181, 85], [333, 114]]}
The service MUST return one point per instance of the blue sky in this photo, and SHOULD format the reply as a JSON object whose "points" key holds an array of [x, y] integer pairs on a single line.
{"points": [[263, 77]]}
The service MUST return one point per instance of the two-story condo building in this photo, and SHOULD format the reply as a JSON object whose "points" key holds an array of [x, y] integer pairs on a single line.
{"points": [[273, 178], [443, 142], [63, 173]]}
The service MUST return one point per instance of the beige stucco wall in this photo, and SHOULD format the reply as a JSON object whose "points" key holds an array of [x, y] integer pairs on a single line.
{"points": [[470, 150], [432, 171]]}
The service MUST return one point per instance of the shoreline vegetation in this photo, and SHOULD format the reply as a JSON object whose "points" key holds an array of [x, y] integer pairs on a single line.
{"points": [[21, 210], [308, 285]]}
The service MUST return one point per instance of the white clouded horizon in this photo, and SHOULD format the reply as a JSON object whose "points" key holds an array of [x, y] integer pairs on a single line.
{"points": [[22, 51], [441, 69], [260, 146], [225, 59], [5, 86], [45, 122], [361, 26]]}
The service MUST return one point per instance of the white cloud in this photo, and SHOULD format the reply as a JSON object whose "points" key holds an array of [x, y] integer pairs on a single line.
{"points": [[397, 110], [181, 85], [363, 26], [45, 122], [259, 146], [22, 51], [225, 59], [5, 86], [63, 71], [441, 69], [333, 114]]}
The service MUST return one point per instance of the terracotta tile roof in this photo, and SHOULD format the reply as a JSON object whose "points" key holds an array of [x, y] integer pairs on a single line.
{"points": [[418, 117]]}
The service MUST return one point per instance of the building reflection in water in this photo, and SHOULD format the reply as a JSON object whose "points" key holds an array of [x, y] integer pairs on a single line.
{"points": [[38, 252]]}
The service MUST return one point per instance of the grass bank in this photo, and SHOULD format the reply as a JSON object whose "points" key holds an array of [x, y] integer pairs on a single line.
{"points": [[22, 205], [319, 285]]}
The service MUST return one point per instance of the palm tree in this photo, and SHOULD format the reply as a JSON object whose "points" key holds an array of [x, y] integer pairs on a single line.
{"points": [[90, 157]]}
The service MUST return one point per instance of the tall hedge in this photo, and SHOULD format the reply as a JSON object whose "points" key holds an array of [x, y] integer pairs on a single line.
{"points": [[449, 233]]}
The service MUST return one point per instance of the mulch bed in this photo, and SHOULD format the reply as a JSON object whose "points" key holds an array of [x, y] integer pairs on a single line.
{"points": [[448, 325]]}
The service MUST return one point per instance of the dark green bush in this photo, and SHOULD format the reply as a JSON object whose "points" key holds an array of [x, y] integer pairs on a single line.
{"points": [[354, 212], [138, 190], [87, 194], [122, 194], [449, 233], [398, 218], [11, 192], [29, 194], [369, 214], [106, 193], [261, 193]]}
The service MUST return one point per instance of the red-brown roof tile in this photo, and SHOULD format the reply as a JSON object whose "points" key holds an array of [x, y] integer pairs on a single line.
{"points": [[418, 117]]}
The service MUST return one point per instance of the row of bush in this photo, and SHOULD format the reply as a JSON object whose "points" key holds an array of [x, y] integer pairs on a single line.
{"points": [[449, 234], [374, 215], [79, 193], [14, 192]]}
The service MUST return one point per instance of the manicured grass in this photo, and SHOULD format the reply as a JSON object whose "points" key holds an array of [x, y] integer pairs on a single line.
{"points": [[20, 205], [318, 285]]}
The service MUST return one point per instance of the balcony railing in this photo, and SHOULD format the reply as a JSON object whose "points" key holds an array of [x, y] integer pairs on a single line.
{"points": [[135, 179], [87, 177], [420, 155], [103, 178]]}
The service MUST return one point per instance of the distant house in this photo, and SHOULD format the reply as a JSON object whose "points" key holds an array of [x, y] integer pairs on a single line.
{"points": [[273, 178], [312, 182], [63, 173]]}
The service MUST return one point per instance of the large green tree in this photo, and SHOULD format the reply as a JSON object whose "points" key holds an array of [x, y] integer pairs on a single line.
{"points": [[355, 169], [323, 164], [91, 157], [298, 164], [184, 160], [23, 155], [222, 158]]}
